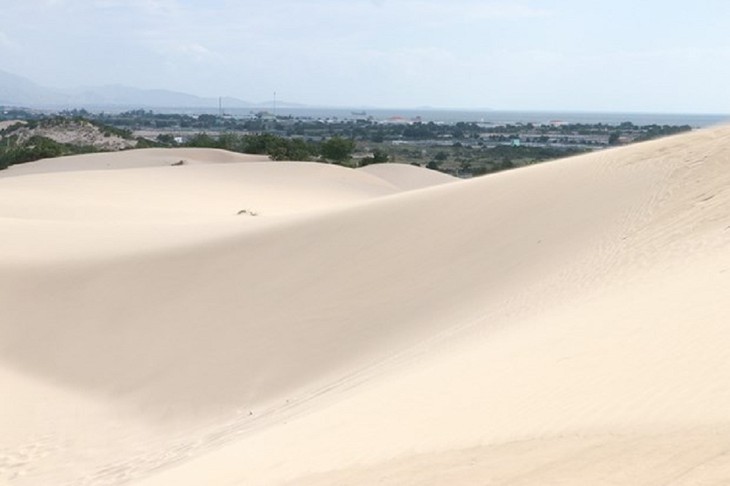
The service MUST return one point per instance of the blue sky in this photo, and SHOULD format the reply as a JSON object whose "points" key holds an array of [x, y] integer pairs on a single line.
{"points": [[618, 55]]}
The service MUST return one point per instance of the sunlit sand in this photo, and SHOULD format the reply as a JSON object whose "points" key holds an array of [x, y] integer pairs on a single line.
{"points": [[232, 321]]}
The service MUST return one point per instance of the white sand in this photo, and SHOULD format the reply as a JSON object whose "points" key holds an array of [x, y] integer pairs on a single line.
{"points": [[153, 157], [560, 324]]}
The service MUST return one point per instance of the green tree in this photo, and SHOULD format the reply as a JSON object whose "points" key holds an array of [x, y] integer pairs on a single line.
{"points": [[337, 149], [202, 140], [278, 148], [36, 148], [378, 157], [166, 139]]}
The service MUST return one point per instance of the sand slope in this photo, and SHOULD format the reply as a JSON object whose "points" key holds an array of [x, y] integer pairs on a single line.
{"points": [[560, 324], [153, 157], [407, 177]]}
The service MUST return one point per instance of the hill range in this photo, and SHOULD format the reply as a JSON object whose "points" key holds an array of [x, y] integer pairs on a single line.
{"points": [[17, 91]]}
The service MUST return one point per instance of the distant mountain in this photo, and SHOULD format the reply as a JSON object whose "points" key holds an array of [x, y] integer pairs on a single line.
{"points": [[117, 95], [267, 105], [19, 91]]}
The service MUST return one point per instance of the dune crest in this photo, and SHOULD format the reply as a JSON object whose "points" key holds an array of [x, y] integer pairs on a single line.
{"points": [[152, 157], [561, 323]]}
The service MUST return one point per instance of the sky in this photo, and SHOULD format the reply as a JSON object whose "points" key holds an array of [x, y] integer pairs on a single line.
{"points": [[661, 56]]}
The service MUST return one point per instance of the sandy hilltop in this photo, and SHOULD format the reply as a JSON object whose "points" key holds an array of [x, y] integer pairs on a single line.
{"points": [[233, 321]]}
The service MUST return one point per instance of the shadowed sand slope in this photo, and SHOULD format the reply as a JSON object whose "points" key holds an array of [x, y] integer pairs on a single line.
{"points": [[408, 177], [560, 324]]}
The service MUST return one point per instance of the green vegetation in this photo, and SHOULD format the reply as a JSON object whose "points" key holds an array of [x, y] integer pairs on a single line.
{"points": [[464, 149], [16, 149], [35, 148], [38, 138], [337, 149], [278, 148], [379, 157]]}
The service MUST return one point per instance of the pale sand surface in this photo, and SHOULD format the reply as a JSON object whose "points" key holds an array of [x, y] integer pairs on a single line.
{"points": [[407, 177], [562, 324], [153, 157]]}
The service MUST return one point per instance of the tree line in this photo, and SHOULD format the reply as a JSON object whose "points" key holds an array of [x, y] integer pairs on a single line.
{"points": [[336, 149]]}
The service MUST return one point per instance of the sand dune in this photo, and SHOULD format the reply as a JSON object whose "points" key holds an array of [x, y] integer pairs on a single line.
{"points": [[153, 157], [184, 193], [559, 324], [407, 177]]}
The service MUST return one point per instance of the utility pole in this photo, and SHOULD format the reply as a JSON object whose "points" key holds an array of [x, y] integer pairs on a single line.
{"points": [[274, 104]]}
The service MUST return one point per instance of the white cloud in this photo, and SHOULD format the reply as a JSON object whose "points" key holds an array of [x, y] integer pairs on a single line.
{"points": [[469, 11], [5, 41], [511, 53], [149, 6], [189, 50]]}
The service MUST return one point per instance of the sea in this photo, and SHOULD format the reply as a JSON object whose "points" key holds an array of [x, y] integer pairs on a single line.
{"points": [[491, 116]]}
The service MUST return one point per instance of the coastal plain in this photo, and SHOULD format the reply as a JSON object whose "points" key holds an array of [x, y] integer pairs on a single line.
{"points": [[194, 316]]}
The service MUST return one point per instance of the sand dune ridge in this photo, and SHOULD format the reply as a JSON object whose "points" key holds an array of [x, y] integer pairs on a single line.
{"points": [[377, 323]]}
